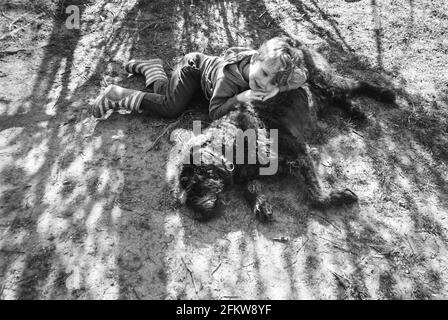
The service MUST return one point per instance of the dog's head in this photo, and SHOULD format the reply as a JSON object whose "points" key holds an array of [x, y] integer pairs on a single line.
{"points": [[197, 174], [290, 111], [201, 183]]}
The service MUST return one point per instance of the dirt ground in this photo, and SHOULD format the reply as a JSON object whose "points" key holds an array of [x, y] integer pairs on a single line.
{"points": [[84, 210]]}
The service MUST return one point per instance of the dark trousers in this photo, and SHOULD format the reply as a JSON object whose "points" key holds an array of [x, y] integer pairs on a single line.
{"points": [[184, 83]]}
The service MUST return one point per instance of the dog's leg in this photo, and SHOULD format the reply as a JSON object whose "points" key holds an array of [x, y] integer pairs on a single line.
{"points": [[314, 192], [304, 168], [376, 92], [352, 110], [344, 86], [322, 75], [257, 201]]}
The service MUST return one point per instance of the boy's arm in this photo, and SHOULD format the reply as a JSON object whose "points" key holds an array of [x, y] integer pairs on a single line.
{"points": [[296, 80], [223, 99]]}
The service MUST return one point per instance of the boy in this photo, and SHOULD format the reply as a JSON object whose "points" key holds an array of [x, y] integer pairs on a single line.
{"points": [[240, 75]]}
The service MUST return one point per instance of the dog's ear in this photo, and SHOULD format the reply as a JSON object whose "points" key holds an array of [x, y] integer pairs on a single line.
{"points": [[292, 112]]}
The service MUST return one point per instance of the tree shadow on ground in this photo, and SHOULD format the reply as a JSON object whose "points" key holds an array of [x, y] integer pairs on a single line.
{"points": [[94, 221], [77, 227]]}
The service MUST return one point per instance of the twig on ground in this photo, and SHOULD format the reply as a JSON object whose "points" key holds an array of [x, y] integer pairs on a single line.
{"points": [[191, 275], [78, 73], [4, 14], [297, 253], [247, 265], [26, 279], [11, 25], [412, 249], [327, 221], [216, 269], [171, 125], [262, 14], [148, 26], [343, 280], [136, 294], [380, 250], [338, 244], [301, 247], [2, 289], [357, 133], [154, 38], [345, 250], [11, 52], [281, 239], [12, 251], [162, 134], [373, 147], [14, 22], [13, 32]]}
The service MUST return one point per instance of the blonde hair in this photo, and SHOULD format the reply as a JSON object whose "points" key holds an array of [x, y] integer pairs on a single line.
{"points": [[281, 49]]}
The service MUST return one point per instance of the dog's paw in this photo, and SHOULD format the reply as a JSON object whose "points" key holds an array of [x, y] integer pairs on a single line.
{"points": [[263, 210], [357, 114]]}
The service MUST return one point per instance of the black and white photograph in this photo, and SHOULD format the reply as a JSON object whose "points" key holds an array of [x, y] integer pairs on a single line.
{"points": [[239, 152]]}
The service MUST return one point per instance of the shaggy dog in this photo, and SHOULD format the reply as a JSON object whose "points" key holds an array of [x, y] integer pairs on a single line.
{"points": [[201, 167]]}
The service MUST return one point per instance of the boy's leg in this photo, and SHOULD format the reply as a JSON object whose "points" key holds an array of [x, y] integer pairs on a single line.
{"points": [[115, 98], [185, 81], [151, 69]]}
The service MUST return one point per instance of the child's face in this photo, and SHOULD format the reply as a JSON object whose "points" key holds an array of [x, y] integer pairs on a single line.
{"points": [[262, 74]]}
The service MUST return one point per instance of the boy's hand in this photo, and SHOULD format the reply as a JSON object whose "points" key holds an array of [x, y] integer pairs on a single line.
{"points": [[250, 95], [270, 94]]}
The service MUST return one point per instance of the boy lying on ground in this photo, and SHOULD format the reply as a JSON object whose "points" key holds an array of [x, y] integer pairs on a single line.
{"points": [[239, 75]]}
